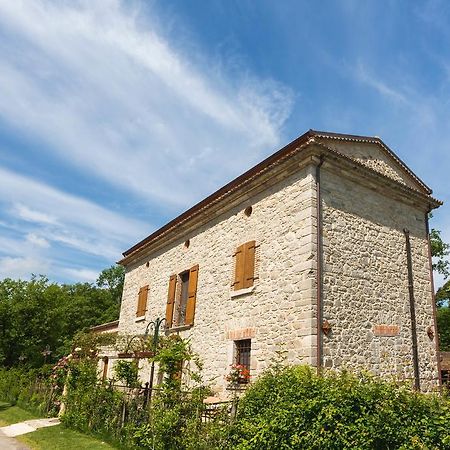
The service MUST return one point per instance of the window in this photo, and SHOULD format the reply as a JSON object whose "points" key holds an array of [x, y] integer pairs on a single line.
{"points": [[181, 299], [182, 304], [244, 274], [105, 368], [242, 350], [142, 301]]}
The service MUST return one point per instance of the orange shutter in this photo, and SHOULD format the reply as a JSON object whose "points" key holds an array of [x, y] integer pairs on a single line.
{"points": [[192, 295], [249, 264], [239, 268], [171, 300], [142, 301]]}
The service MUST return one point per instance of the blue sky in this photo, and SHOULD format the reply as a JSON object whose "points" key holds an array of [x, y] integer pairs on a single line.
{"points": [[117, 116]]}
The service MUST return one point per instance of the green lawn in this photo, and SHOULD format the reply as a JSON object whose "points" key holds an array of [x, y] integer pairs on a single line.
{"points": [[60, 438], [13, 414], [50, 438]]}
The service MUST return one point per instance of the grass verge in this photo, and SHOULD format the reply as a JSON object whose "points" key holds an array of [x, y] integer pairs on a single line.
{"points": [[61, 438], [13, 414], [51, 438]]}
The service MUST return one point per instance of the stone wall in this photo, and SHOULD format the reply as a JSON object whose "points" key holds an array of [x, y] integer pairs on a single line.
{"points": [[277, 313], [371, 155], [366, 282]]}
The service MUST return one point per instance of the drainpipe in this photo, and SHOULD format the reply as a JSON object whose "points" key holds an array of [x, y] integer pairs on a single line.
{"points": [[319, 266], [433, 299], [412, 309]]}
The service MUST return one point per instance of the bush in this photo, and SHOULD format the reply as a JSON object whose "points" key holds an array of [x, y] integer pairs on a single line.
{"points": [[29, 388], [127, 372], [293, 408], [173, 420]]}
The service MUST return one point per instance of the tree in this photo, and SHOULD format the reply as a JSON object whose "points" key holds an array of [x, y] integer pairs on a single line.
{"points": [[38, 319], [112, 279], [439, 250], [443, 295], [443, 322]]}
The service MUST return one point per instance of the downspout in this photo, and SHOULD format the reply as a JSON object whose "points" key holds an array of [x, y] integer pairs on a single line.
{"points": [[433, 299], [412, 308], [319, 266]]}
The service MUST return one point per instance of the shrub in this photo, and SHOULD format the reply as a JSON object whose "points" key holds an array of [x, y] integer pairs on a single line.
{"points": [[173, 420], [293, 408], [29, 388], [127, 372]]}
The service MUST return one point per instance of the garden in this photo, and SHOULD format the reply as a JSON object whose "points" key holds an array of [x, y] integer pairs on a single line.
{"points": [[287, 407]]}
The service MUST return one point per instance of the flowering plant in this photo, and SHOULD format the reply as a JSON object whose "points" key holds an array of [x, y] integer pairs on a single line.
{"points": [[239, 374]]}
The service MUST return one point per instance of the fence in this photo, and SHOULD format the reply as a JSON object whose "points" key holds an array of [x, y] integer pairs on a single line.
{"points": [[136, 402]]}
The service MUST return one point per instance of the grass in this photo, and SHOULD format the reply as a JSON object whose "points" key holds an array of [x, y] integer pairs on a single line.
{"points": [[50, 438], [13, 414], [61, 438]]}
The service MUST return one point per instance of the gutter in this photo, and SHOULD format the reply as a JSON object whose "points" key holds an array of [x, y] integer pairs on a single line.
{"points": [[412, 308]]}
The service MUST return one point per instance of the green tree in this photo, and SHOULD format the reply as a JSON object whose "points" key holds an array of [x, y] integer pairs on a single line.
{"points": [[443, 295], [439, 250], [112, 280], [38, 319], [443, 322]]}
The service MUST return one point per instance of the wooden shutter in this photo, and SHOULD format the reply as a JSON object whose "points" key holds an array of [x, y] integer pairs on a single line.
{"points": [[239, 268], [171, 300], [249, 264], [142, 301], [192, 295]]}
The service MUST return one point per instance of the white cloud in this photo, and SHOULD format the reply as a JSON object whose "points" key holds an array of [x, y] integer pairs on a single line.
{"points": [[67, 213], [28, 214], [103, 93], [22, 267], [364, 76], [80, 274], [113, 97], [39, 241], [49, 224]]}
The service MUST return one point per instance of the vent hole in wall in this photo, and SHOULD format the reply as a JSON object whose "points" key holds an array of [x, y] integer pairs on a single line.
{"points": [[187, 243], [147, 264], [248, 211]]}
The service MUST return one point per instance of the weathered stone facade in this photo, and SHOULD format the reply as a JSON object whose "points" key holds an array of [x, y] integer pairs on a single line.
{"points": [[341, 261]]}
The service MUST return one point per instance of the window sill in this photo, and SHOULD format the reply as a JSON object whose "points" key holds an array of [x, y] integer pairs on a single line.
{"points": [[139, 319], [179, 328], [240, 292]]}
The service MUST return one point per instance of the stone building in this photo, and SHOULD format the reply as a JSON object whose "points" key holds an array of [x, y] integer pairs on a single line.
{"points": [[320, 251]]}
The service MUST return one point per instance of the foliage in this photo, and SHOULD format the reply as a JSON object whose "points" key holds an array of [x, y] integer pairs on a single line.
{"points": [[126, 343], [443, 322], [292, 407], [439, 250], [173, 420], [175, 414], [443, 295], [31, 389], [112, 280], [86, 343], [127, 372], [38, 319], [90, 406]]}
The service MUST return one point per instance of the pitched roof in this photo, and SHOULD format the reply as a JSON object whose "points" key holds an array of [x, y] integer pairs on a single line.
{"points": [[287, 151]]}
